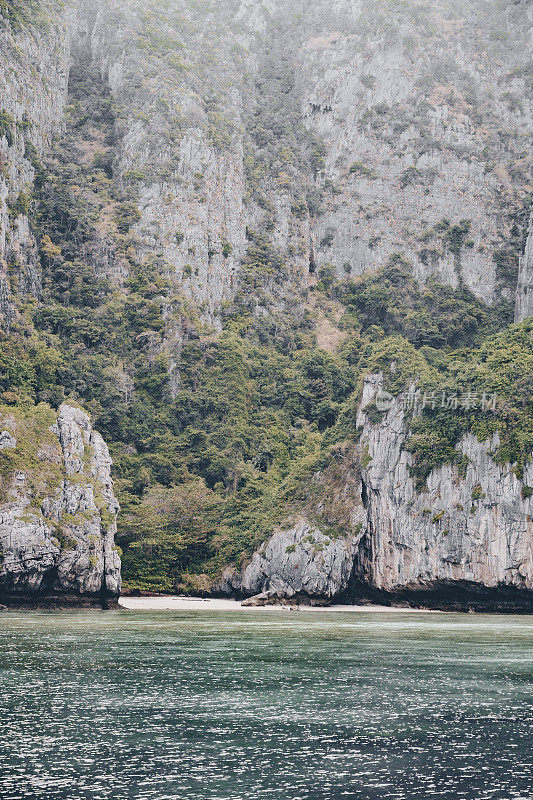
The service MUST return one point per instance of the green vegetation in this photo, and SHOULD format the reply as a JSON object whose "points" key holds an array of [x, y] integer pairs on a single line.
{"points": [[30, 427], [126, 216], [257, 420], [410, 176], [37, 455], [20, 205], [437, 316], [203, 475], [455, 235], [64, 539], [204, 472], [502, 365], [245, 424], [361, 170], [368, 81], [452, 346], [477, 493], [20, 13], [7, 125]]}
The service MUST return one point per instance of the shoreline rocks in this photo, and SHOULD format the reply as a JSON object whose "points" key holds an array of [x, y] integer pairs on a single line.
{"points": [[57, 510], [466, 543]]}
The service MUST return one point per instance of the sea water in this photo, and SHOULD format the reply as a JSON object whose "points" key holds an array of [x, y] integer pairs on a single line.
{"points": [[208, 705]]}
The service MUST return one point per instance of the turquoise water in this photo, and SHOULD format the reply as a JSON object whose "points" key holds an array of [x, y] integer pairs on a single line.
{"points": [[265, 705]]}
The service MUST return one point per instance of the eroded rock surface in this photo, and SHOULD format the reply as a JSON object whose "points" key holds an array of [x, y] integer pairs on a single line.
{"points": [[34, 67], [412, 135], [475, 529], [466, 541], [301, 561], [524, 290], [58, 511]]}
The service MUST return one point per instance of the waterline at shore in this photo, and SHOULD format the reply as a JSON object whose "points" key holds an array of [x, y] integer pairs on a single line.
{"points": [[175, 603]]}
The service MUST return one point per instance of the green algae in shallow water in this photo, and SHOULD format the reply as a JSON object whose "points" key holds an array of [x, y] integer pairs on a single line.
{"points": [[265, 705]]}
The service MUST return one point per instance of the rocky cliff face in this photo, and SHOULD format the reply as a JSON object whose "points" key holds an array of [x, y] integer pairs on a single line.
{"points": [[413, 134], [34, 67], [182, 156], [343, 133], [425, 134], [467, 529], [524, 291], [57, 509], [465, 542]]}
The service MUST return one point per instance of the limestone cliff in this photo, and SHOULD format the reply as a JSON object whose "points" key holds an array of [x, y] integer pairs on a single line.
{"points": [[34, 68], [524, 290], [468, 529], [423, 109], [412, 120], [464, 542], [344, 133], [57, 509]]}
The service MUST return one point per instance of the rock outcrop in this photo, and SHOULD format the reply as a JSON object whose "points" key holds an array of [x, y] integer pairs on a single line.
{"points": [[465, 542], [34, 69], [467, 530], [302, 561], [524, 290], [57, 509]]}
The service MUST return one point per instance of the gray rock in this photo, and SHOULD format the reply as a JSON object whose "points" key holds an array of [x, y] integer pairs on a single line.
{"points": [[524, 289], [63, 542], [474, 529], [262, 599], [34, 65], [416, 100], [301, 561], [231, 582], [7, 441]]}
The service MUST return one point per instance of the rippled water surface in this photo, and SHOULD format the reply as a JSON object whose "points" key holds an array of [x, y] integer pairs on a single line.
{"points": [[266, 705]]}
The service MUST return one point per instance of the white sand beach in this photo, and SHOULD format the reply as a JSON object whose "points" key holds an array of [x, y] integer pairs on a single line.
{"points": [[175, 603]]}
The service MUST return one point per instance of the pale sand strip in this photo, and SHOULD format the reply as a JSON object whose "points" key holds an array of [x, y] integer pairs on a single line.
{"points": [[172, 603]]}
